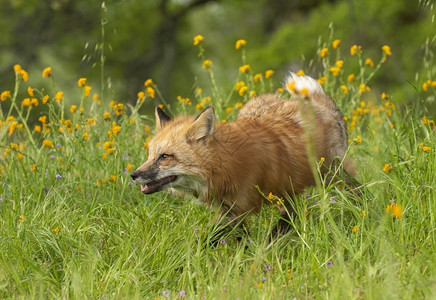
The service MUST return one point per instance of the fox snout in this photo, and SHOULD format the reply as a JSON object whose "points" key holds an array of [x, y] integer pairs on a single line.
{"points": [[152, 180]]}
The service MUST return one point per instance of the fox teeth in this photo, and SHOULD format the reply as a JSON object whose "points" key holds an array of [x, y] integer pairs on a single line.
{"points": [[144, 187]]}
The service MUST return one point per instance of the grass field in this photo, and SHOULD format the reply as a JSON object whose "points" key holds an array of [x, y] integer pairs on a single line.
{"points": [[74, 226]]}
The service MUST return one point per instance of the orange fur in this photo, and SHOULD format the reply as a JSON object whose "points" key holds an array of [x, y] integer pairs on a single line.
{"points": [[268, 146]]}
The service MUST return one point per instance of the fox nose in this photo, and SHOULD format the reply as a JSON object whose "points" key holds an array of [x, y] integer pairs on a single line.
{"points": [[134, 175]]}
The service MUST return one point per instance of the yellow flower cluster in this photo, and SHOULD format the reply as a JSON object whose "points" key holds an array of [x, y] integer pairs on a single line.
{"points": [[187, 101], [21, 73], [244, 69], [396, 210], [427, 84], [337, 68], [198, 39], [240, 44]]}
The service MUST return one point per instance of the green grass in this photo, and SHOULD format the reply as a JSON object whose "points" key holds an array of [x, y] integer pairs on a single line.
{"points": [[73, 226]]}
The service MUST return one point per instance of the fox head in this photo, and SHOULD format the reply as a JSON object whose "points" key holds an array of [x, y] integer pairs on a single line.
{"points": [[176, 153]]}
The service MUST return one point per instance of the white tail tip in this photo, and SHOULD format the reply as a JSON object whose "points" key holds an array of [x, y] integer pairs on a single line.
{"points": [[302, 85]]}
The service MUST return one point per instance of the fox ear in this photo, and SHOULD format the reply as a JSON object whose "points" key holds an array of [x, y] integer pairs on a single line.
{"points": [[161, 118], [203, 125]]}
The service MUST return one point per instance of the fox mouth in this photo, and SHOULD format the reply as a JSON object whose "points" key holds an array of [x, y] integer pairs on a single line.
{"points": [[157, 185]]}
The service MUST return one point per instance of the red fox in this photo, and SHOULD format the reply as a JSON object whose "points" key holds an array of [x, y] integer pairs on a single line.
{"points": [[268, 148]]}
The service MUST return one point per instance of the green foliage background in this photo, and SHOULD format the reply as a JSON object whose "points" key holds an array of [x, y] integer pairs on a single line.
{"points": [[153, 39]]}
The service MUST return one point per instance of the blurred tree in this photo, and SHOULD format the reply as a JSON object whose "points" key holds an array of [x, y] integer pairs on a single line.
{"points": [[153, 39]]}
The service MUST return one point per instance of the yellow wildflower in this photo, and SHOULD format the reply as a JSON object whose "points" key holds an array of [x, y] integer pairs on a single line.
{"points": [[350, 77], [300, 73], [270, 196], [355, 228], [291, 87], [369, 62], [148, 82], [396, 210], [240, 44], [322, 159], [198, 39], [33, 168], [355, 49], [426, 148], [335, 71], [59, 96], [344, 89], [358, 139], [207, 64], [239, 84], [257, 77], [113, 178], [363, 213], [305, 92], [199, 106], [339, 63], [387, 50], [141, 96], [47, 143], [5, 95], [229, 110], [119, 108], [363, 88], [323, 52], [151, 92], [55, 230], [37, 128], [96, 98], [244, 69], [24, 75], [129, 167], [45, 99], [46, 72], [269, 73], [81, 82], [73, 109], [335, 44], [387, 168], [87, 90], [85, 136], [243, 90], [115, 128], [30, 92], [17, 69], [322, 80]]}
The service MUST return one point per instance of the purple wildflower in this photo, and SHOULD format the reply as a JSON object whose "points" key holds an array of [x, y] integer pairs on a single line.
{"points": [[52, 156], [264, 278], [182, 293], [223, 241], [332, 200], [307, 196], [58, 145], [267, 267], [58, 176], [329, 264], [130, 183], [166, 293]]}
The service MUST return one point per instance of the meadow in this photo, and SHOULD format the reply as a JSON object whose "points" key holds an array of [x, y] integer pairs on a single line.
{"points": [[74, 226]]}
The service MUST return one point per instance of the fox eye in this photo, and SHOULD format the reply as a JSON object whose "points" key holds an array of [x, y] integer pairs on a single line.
{"points": [[164, 156]]}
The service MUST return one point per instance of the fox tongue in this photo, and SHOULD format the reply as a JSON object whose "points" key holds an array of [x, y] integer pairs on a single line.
{"points": [[156, 186]]}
